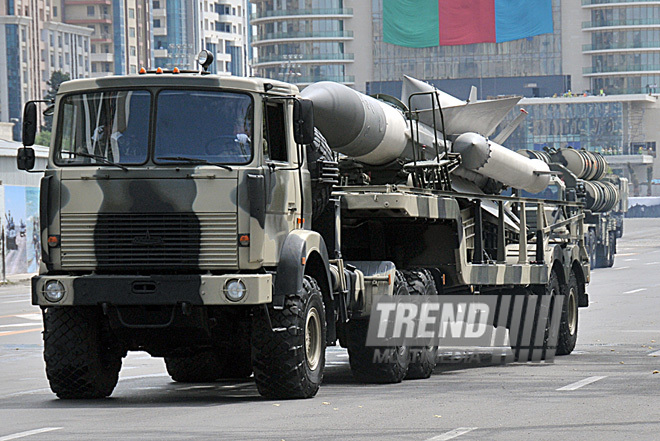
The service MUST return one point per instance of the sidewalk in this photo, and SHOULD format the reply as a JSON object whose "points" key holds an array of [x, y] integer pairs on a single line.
{"points": [[19, 279]]}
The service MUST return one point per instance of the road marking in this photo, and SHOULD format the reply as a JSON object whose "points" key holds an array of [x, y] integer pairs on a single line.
{"points": [[29, 433], [137, 377], [17, 325], [15, 301], [33, 316], [635, 290], [626, 254], [452, 434], [620, 268], [26, 392], [654, 354], [651, 263], [579, 384], [630, 260], [4, 334]]}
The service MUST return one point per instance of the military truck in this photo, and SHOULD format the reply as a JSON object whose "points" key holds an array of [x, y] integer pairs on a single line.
{"points": [[604, 195], [207, 220]]}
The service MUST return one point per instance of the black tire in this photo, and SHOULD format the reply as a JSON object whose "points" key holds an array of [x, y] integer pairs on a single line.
{"points": [[568, 327], [611, 250], [423, 359], [365, 363], [319, 150], [530, 349], [591, 248], [82, 360], [602, 253], [288, 360], [203, 367], [238, 357]]}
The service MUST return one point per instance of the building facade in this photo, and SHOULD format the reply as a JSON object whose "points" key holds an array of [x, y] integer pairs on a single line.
{"points": [[34, 43], [223, 30], [304, 41], [121, 38], [623, 47]]}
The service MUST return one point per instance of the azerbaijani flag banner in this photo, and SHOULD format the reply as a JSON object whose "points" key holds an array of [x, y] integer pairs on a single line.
{"points": [[427, 23]]}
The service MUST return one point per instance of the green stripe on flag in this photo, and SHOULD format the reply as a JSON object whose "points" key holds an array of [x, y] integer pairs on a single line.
{"points": [[411, 23]]}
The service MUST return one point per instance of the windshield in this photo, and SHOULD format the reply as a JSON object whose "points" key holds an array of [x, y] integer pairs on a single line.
{"points": [[111, 126], [203, 125]]}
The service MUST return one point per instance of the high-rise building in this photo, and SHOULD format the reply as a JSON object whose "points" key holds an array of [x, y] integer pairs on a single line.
{"points": [[303, 41], [223, 31], [174, 33], [34, 43], [121, 42], [623, 45]]}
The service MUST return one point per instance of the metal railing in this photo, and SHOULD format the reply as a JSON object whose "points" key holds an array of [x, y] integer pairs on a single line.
{"points": [[298, 35], [622, 68], [302, 12], [304, 57], [613, 23], [607, 2], [606, 47]]}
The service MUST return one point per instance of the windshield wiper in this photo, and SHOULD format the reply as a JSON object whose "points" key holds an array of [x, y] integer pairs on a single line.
{"points": [[194, 161], [103, 159]]}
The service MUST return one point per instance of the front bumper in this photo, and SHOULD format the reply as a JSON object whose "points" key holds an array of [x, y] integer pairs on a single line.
{"points": [[121, 290]]}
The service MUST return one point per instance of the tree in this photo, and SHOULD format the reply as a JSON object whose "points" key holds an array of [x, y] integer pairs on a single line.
{"points": [[56, 79]]}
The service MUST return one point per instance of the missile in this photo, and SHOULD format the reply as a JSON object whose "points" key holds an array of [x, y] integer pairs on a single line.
{"points": [[364, 128], [459, 116], [376, 133], [358, 125], [584, 164], [498, 162]]}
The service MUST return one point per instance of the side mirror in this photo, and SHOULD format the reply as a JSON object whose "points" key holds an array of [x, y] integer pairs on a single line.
{"points": [[25, 158], [303, 121], [29, 123]]}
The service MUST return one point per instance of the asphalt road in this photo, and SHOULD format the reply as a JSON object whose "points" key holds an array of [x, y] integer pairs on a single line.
{"points": [[605, 390]]}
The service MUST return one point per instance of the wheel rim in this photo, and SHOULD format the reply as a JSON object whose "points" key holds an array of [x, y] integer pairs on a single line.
{"points": [[313, 342], [572, 312]]}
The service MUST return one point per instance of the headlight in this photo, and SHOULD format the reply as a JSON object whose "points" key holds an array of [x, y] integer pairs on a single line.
{"points": [[235, 290], [54, 291]]}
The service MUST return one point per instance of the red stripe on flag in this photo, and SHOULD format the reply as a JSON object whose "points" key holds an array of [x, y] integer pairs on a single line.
{"points": [[466, 21]]}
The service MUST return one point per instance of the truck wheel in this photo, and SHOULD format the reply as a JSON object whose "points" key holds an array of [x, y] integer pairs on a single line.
{"points": [[602, 253], [591, 248], [420, 282], [611, 250], [524, 345], [377, 364], [568, 326], [81, 360], [203, 367], [288, 360]]}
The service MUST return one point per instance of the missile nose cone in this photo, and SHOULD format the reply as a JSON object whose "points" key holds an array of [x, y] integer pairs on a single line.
{"points": [[474, 150]]}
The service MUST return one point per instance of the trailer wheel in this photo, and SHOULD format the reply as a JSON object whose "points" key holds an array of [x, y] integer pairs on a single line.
{"points": [[611, 250], [525, 339], [602, 256], [591, 248], [568, 326], [288, 359], [377, 364], [82, 360], [423, 359], [203, 367]]}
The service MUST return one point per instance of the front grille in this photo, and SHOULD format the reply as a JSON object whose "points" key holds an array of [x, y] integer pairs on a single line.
{"points": [[149, 241]]}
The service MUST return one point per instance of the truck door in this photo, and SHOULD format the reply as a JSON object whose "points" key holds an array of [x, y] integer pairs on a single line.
{"points": [[281, 176]]}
